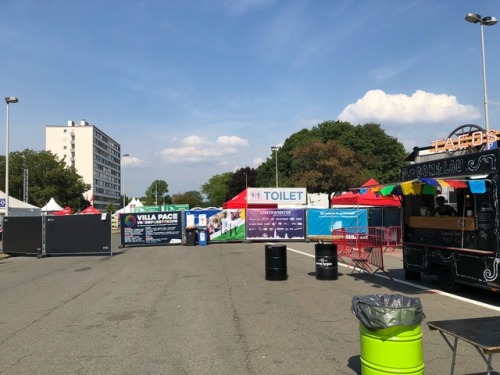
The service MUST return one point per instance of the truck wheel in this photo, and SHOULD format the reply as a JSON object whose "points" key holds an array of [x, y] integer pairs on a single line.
{"points": [[412, 275], [447, 280]]}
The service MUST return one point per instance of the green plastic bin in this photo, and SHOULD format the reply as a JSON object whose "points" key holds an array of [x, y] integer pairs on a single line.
{"points": [[390, 334], [393, 350]]}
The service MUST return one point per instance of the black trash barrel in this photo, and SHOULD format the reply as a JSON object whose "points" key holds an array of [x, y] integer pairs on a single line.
{"points": [[326, 261], [276, 262], [190, 236]]}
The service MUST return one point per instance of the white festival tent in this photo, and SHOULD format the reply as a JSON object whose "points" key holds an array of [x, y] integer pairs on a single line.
{"points": [[18, 208], [128, 208], [51, 206]]}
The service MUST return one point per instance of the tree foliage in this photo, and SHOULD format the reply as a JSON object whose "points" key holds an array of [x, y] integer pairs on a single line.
{"points": [[240, 180], [217, 189], [110, 207], [156, 193], [266, 172], [193, 198], [327, 167], [383, 154], [372, 154], [48, 177]]}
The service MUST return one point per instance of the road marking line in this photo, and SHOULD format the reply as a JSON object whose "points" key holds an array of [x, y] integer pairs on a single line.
{"points": [[428, 290]]}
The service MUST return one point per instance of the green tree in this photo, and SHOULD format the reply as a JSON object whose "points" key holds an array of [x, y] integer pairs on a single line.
{"points": [[156, 193], [48, 177], [217, 189], [327, 168], [240, 180], [110, 208], [382, 153], [266, 172], [193, 198]]}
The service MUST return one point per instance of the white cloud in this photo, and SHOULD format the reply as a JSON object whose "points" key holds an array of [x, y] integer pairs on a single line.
{"points": [[423, 107], [195, 149], [195, 141], [258, 161], [226, 140], [133, 161]]}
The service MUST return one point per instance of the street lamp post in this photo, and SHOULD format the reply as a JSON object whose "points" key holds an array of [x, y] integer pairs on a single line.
{"points": [[275, 149], [123, 178], [484, 21], [8, 100]]}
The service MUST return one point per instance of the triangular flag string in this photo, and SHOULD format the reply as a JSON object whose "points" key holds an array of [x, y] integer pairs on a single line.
{"points": [[426, 186]]}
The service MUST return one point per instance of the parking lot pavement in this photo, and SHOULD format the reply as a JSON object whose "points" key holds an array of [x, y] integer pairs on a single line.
{"points": [[202, 310]]}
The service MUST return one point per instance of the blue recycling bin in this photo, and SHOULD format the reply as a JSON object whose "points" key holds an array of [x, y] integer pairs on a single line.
{"points": [[202, 236]]}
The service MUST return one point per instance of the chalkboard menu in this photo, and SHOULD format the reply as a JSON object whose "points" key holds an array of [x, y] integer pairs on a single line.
{"points": [[486, 215], [152, 228]]}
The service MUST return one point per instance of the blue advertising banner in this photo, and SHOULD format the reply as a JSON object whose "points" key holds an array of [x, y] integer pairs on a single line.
{"points": [[152, 228], [321, 221], [275, 223]]}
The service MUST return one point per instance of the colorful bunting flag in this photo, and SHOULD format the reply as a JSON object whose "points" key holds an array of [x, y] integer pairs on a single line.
{"points": [[430, 181], [456, 184], [411, 188], [429, 189], [443, 183], [387, 190], [477, 186]]}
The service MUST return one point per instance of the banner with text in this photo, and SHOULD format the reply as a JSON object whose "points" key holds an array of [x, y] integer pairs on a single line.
{"points": [[287, 196], [275, 224], [153, 228], [321, 222]]}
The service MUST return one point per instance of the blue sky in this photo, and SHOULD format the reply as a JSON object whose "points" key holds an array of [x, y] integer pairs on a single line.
{"points": [[194, 88]]}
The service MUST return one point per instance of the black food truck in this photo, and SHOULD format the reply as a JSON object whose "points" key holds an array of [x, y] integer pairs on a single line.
{"points": [[462, 245]]}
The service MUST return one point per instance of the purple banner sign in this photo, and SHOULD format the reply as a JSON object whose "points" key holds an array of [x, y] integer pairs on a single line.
{"points": [[275, 224]]}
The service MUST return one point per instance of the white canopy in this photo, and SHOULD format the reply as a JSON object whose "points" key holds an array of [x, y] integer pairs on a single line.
{"points": [[128, 208], [51, 206], [19, 208]]}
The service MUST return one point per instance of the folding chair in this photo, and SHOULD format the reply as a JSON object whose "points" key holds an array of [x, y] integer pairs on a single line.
{"points": [[362, 261]]}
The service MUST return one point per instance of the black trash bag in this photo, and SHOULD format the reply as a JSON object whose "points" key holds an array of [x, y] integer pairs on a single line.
{"points": [[384, 311]]}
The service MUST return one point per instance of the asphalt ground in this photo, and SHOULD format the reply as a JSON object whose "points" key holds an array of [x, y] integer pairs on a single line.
{"points": [[206, 310]]}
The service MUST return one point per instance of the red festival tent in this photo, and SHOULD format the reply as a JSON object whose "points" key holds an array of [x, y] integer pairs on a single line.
{"points": [[240, 201], [65, 211], [90, 210], [369, 198]]}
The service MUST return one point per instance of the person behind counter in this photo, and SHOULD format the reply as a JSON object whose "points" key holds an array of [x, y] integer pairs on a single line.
{"points": [[442, 208]]}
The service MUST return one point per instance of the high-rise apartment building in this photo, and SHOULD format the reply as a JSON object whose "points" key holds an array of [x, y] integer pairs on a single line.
{"points": [[95, 155]]}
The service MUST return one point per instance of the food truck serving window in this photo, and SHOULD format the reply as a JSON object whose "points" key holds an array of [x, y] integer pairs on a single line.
{"points": [[447, 197]]}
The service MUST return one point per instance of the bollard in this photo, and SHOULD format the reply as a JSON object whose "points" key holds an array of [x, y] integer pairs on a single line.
{"points": [[326, 261], [276, 262]]}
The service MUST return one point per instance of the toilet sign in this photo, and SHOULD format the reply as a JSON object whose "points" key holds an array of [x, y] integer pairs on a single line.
{"points": [[289, 196]]}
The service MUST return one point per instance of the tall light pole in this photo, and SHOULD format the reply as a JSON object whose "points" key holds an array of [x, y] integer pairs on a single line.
{"points": [[123, 178], [8, 100], [484, 21], [275, 149]]}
